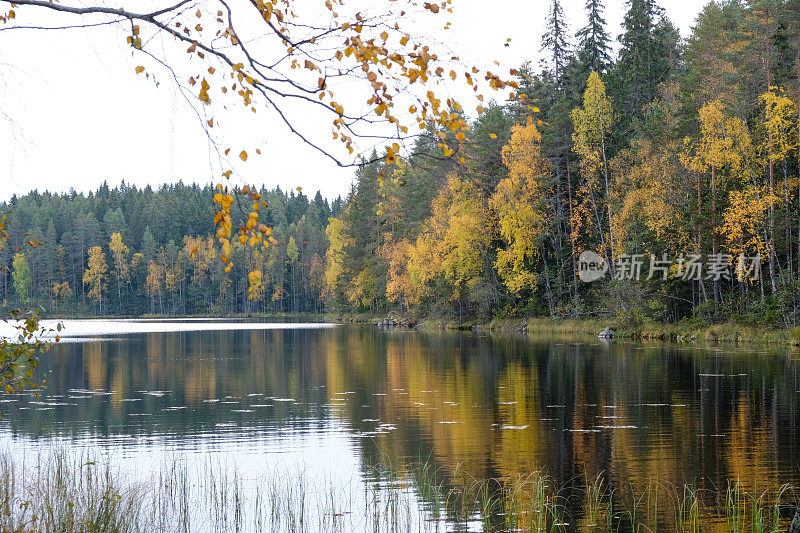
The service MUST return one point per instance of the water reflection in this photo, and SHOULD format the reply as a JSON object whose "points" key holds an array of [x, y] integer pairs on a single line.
{"points": [[488, 406]]}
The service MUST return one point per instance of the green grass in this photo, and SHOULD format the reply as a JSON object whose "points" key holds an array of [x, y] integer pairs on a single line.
{"points": [[683, 331]]}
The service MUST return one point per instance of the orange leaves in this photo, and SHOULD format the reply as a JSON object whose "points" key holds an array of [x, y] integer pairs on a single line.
{"points": [[392, 152], [139, 69], [204, 87], [338, 108], [254, 278], [134, 40], [251, 233], [224, 200], [243, 155]]}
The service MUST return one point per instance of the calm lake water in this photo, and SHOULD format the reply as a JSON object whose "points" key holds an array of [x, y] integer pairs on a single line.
{"points": [[338, 400]]}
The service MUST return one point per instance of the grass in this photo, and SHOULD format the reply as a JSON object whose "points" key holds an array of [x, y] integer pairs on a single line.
{"points": [[65, 492], [686, 330]]}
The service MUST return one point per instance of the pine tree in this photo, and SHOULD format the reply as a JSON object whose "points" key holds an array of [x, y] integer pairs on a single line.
{"points": [[555, 41], [593, 40]]}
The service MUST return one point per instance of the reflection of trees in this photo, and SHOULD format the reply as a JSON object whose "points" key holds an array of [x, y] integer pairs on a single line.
{"points": [[513, 400]]}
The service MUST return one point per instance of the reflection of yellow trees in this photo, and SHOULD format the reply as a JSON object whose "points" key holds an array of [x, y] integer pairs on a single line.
{"points": [[428, 387], [519, 448], [476, 406], [750, 451], [95, 363], [639, 466], [584, 437]]}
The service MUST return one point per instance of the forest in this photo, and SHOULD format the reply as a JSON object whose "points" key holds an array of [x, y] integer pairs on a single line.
{"points": [[128, 251], [648, 145]]}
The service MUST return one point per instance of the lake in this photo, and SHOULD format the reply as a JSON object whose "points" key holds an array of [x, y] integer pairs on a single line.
{"points": [[357, 405]]}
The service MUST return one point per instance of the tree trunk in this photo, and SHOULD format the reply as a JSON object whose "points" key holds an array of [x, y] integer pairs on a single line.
{"points": [[797, 66], [771, 221], [787, 207], [572, 234], [714, 235], [608, 188]]}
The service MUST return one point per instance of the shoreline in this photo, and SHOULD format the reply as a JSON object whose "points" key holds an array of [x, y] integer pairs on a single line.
{"points": [[684, 331], [688, 331]]}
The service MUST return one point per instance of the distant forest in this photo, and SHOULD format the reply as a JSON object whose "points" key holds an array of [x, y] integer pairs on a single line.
{"points": [[668, 148], [130, 251]]}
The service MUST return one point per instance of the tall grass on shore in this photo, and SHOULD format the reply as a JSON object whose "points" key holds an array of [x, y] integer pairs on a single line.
{"points": [[65, 492]]}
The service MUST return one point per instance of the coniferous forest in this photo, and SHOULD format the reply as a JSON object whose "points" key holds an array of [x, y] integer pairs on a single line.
{"points": [[643, 145], [129, 251]]}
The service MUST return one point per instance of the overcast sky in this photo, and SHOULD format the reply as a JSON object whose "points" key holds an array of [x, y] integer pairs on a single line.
{"points": [[78, 115]]}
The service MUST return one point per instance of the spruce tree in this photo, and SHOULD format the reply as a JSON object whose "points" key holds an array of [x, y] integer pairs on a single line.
{"points": [[554, 40], [648, 37], [593, 40]]}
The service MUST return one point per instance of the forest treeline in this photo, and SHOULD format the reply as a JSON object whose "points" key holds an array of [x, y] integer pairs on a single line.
{"points": [[683, 151], [130, 251]]}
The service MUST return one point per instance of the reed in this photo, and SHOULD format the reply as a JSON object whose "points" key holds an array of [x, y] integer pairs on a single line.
{"points": [[65, 492]]}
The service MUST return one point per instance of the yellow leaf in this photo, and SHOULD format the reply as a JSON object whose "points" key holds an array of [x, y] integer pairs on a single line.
{"points": [[204, 86], [139, 69], [493, 135]]}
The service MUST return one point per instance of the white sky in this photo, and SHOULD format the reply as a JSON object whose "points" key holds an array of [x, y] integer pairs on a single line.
{"points": [[81, 115]]}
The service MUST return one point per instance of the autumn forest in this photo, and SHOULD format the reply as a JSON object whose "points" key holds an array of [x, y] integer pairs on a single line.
{"points": [[645, 143]]}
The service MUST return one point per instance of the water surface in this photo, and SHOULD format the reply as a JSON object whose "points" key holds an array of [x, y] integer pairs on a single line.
{"points": [[339, 400]]}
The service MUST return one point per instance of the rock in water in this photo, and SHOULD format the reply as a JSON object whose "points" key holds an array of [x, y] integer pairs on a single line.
{"points": [[606, 333], [794, 527]]}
